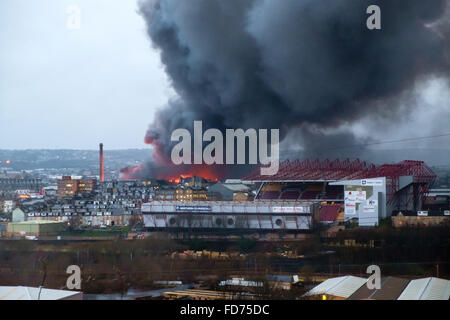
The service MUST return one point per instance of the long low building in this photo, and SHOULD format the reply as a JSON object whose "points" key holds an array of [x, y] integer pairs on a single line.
{"points": [[244, 215], [426, 289], [392, 288], [34, 228]]}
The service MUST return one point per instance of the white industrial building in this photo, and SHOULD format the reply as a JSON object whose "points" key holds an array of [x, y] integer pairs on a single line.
{"points": [[32, 293], [426, 289], [341, 287], [230, 215], [392, 288]]}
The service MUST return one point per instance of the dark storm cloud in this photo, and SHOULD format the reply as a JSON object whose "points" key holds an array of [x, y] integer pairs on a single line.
{"points": [[292, 63]]}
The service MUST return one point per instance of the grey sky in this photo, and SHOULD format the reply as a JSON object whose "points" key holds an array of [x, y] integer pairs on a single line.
{"points": [[62, 88]]}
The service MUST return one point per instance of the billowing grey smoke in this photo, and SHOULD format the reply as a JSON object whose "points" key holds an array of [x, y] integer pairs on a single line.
{"points": [[305, 64]]}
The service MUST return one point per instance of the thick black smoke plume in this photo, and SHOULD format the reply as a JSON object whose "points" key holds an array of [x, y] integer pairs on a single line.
{"points": [[311, 65]]}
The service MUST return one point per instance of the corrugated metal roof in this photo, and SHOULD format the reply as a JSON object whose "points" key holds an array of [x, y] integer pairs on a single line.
{"points": [[391, 288], [326, 285], [237, 187], [426, 289], [340, 287], [30, 293]]}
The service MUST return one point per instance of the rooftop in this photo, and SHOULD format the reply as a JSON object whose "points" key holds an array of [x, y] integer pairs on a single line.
{"points": [[340, 287], [427, 289], [31, 293], [392, 288]]}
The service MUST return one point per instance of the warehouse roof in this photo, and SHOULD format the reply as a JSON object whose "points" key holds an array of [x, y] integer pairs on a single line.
{"points": [[391, 288], [426, 289], [236, 187], [340, 287], [30, 293]]}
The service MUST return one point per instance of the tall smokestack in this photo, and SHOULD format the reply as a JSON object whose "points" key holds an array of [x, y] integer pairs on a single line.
{"points": [[102, 174]]}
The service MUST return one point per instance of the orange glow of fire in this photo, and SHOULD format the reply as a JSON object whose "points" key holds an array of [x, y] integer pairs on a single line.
{"points": [[189, 175], [195, 171], [174, 174]]}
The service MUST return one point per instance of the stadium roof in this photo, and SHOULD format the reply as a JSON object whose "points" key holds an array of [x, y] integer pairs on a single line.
{"points": [[326, 170]]}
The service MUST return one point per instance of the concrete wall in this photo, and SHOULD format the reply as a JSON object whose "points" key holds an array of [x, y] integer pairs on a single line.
{"points": [[228, 221]]}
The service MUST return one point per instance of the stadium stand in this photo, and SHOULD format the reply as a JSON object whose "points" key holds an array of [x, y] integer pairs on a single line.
{"points": [[311, 192], [290, 195], [270, 191], [324, 171], [334, 192], [269, 195]]}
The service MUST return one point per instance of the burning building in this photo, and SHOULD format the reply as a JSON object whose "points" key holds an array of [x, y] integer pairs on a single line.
{"points": [[300, 194]]}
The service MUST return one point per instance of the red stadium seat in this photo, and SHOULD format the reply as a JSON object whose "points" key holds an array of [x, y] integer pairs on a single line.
{"points": [[290, 195]]}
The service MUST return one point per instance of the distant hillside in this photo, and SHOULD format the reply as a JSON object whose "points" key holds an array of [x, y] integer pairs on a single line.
{"points": [[34, 159]]}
